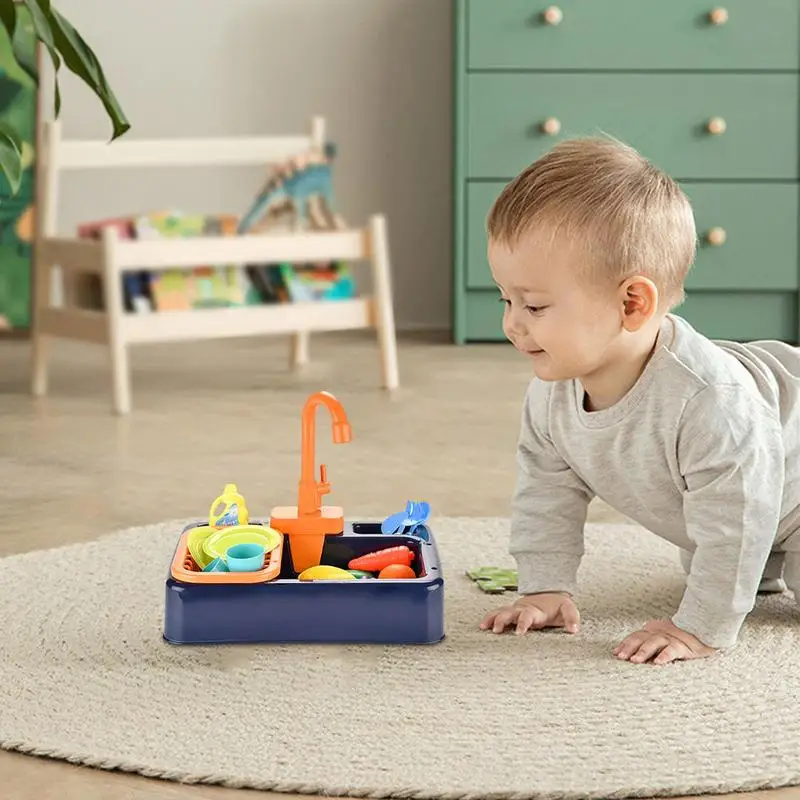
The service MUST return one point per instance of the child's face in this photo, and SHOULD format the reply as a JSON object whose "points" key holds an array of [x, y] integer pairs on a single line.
{"points": [[568, 327]]}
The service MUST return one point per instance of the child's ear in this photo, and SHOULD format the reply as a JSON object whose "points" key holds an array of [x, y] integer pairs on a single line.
{"points": [[639, 302]]}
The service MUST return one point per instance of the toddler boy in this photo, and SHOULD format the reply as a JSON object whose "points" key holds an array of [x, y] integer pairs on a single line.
{"points": [[696, 440]]}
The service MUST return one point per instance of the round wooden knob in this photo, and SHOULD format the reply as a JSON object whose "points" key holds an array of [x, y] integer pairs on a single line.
{"points": [[716, 237], [719, 16], [553, 15], [716, 126], [551, 126]]}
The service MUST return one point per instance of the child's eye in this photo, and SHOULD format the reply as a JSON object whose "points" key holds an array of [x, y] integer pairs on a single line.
{"points": [[533, 310]]}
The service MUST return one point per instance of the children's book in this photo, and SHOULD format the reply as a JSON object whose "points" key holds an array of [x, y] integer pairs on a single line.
{"points": [[169, 288], [309, 282], [135, 284], [218, 286], [203, 286]]}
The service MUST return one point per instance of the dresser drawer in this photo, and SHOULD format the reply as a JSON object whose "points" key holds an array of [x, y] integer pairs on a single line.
{"points": [[666, 117], [633, 34], [478, 201], [747, 236], [483, 317]]}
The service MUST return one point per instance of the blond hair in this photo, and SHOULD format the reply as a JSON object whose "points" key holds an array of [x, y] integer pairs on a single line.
{"points": [[629, 216]]}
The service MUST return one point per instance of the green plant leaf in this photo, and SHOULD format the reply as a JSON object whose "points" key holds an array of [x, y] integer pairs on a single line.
{"points": [[41, 12], [81, 60], [19, 47], [11, 156], [26, 63], [24, 51], [41, 16], [8, 16]]}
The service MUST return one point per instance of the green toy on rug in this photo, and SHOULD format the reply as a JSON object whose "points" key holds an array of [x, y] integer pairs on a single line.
{"points": [[494, 580]]}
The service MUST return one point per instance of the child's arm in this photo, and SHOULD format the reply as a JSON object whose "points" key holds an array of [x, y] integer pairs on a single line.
{"points": [[549, 505], [731, 456]]}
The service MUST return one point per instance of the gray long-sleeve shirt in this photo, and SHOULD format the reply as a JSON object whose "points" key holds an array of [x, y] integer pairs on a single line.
{"points": [[704, 451]]}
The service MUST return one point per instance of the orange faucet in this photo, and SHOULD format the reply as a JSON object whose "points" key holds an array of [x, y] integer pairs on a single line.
{"points": [[309, 497], [307, 523]]}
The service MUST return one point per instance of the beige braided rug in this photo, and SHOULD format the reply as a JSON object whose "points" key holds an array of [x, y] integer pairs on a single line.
{"points": [[86, 676]]}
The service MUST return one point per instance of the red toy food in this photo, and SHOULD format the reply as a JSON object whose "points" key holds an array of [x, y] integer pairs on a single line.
{"points": [[377, 560], [397, 571]]}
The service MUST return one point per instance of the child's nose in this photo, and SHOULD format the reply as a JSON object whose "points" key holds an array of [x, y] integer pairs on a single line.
{"points": [[514, 323]]}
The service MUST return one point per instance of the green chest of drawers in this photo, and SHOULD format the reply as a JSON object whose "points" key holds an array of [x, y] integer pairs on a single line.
{"points": [[709, 93]]}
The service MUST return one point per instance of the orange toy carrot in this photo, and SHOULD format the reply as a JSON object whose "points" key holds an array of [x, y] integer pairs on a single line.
{"points": [[376, 561]]}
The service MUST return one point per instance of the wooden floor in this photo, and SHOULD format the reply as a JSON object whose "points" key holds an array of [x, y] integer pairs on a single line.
{"points": [[447, 437]]}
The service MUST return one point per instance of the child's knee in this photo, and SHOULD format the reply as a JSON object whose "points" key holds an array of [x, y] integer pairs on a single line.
{"points": [[773, 570], [772, 581], [791, 564], [773, 578], [791, 574]]}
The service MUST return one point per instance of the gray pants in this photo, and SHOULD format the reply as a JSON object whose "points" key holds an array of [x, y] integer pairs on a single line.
{"points": [[782, 570]]}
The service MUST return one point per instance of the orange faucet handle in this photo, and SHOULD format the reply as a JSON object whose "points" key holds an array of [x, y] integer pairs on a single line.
{"points": [[323, 487]]}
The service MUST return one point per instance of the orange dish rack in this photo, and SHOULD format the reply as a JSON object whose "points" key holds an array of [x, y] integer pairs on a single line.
{"points": [[185, 569]]}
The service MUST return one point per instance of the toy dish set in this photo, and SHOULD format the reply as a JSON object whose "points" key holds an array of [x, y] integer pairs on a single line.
{"points": [[306, 574]]}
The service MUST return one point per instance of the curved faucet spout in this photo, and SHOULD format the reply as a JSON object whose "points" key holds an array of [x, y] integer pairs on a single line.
{"points": [[310, 491], [341, 432]]}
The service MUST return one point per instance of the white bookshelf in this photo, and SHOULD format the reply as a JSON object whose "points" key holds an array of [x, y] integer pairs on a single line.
{"points": [[109, 258]]}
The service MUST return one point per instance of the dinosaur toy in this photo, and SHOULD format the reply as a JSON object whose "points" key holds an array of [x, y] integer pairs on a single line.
{"points": [[295, 184]]}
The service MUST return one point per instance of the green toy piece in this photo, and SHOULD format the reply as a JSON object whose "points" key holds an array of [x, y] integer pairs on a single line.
{"points": [[494, 580]]}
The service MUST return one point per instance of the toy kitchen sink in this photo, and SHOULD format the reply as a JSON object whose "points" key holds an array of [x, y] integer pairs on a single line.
{"points": [[276, 602]]}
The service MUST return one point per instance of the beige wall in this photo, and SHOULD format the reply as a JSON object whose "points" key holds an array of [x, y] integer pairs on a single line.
{"points": [[378, 70]]}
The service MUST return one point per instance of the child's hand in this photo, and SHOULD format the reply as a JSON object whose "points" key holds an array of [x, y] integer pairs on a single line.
{"points": [[535, 611], [661, 641]]}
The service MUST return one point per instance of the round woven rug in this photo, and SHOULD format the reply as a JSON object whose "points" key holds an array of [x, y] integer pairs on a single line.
{"points": [[86, 676]]}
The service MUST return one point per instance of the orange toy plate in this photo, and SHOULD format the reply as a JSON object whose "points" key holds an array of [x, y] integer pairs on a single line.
{"points": [[186, 570]]}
